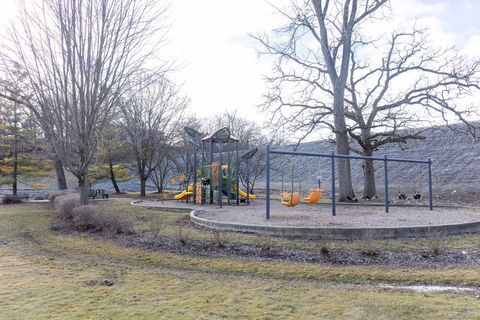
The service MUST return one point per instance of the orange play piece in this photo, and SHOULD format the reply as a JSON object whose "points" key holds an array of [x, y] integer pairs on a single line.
{"points": [[314, 196], [290, 199]]}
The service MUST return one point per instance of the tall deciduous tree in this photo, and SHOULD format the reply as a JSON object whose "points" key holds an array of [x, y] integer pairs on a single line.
{"points": [[113, 157], [13, 87], [404, 85], [307, 90], [148, 115], [78, 56]]}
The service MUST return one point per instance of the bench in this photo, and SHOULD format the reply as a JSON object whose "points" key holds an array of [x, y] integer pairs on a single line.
{"points": [[98, 193], [23, 196], [19, 196]]}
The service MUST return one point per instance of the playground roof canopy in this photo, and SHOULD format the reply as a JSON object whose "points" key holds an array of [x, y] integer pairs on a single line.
{"points": [[194, 134], [249, 154], [222, 135]]}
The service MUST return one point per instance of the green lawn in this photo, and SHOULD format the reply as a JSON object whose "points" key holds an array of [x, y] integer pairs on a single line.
{"points": [[44, 274]]}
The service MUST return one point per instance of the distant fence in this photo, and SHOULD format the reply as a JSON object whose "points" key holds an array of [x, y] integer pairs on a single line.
{"points": [[27, 191]]}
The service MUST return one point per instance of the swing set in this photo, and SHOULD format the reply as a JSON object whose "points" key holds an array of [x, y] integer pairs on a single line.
{"points": [[291, 198]]}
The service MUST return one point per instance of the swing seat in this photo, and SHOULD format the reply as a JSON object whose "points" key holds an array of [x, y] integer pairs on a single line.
{"points": [[314, 196], [290, 199]]}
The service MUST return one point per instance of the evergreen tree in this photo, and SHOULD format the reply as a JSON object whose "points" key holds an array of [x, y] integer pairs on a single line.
{"points": [[22, 154]]}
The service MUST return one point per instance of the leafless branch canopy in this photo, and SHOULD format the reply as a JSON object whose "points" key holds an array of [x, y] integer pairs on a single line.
{"points": [[78, 56]]}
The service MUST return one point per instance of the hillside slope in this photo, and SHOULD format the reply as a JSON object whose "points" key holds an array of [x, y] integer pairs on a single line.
{"points": [[455, 156]]}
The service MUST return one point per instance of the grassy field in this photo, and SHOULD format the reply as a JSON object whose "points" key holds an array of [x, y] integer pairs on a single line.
{"points": [[45, 274]]}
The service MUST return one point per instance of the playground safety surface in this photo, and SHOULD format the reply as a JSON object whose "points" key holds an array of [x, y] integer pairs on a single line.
{"points": [[353, 220], [348, 216]]}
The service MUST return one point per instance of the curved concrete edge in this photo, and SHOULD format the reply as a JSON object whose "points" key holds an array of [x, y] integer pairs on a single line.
{"points": [[338, 233], [170, 209]]}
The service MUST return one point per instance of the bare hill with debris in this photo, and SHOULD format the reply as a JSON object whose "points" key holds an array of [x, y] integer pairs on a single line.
{"points": [[455, 159]]}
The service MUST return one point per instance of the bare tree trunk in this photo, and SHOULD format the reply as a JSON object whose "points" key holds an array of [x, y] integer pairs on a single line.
{"points": [[343, 147], [15, 174], [112, 176], [60, 172], [143, 183], [84, 187], [370, 188]]}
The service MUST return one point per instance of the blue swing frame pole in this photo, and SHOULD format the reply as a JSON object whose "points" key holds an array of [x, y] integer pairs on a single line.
{"points": [[334, 198], [237, 178], [267, 183], [385, 168], [210, 160], [430, 193]]}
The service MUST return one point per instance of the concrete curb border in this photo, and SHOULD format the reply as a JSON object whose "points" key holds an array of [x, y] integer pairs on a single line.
{"points": [[337, 233], [171, 209], [321, 232]]}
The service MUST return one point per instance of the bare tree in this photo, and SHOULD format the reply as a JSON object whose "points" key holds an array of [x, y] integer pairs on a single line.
{"points": [[410, 86], [112, 158], [78, 55], [307, 90], [13, 86], [183, 149], [163, 166], [148, 114]]}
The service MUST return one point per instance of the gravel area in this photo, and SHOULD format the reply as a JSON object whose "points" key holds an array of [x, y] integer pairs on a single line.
{"points": [[320, 215], [347, 215]]}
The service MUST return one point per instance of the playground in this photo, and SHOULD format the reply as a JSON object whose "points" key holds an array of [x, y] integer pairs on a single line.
{"points": [[216, 201]]}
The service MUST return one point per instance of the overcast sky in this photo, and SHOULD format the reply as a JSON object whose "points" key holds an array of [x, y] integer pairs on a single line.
{"points": [[220, 68]]}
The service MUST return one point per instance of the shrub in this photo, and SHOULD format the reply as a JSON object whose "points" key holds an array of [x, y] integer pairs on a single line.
{"points": [[324, 245], [219, 238], [42, 196], [93, 217], [436, 241], [369, 241], [265, 242], [52, 196], [156, 226], [64, 205], [182, 234], [11, 199]]}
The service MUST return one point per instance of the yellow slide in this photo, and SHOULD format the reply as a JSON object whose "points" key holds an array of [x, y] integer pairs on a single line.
{"points": [[244, 194], [184, 194]]}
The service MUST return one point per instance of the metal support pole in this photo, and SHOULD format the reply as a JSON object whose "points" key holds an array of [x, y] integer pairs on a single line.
{"points": [[237, 175], [203, 173], [220, 175], [430, 193], [229, 168], [187, 180], [195, 151], [334, 199], [211, 171], [267, 183], [385, 168], [248, 181]]}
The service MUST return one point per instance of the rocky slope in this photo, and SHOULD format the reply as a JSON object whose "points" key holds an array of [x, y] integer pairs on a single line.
{"points": [[455, 159]]}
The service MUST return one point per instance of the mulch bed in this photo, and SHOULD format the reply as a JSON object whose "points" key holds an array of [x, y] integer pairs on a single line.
{"points": [[265, 252]]}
